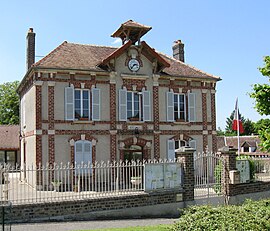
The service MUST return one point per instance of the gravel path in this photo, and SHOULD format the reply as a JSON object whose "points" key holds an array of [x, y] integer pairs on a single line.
{"points": [[89, 225]]}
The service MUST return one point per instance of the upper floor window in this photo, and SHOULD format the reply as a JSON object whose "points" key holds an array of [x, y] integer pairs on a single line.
{"points": [[82, 104], [179, 104], [176, 107], [134, 109], [134, 105]]}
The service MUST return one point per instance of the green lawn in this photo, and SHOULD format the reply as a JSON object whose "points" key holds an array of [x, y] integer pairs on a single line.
{"points": [[137, 228]]}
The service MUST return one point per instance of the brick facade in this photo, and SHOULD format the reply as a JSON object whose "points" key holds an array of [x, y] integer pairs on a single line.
{"points": [[108, 68]]}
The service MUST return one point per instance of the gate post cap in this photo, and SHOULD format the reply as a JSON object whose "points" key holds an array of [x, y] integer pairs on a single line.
{"points": [[227, 149], [185, 149]]}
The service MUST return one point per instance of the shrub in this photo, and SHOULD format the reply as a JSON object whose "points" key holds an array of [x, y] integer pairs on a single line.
{"points": [[249, 216], [218, 175]]}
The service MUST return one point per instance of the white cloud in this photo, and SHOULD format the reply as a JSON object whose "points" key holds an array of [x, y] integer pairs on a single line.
{"points": [[116, 41]]}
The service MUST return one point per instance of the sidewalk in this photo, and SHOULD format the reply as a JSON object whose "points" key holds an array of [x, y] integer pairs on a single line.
{"points": [[90, 225]]}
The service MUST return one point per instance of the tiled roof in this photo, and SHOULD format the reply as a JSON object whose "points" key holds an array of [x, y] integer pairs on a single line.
{"points": [[233, 142], [220, 142], [75, 56], [88, 57], [9, 137]]}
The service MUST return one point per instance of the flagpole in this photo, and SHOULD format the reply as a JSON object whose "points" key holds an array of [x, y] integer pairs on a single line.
{"points": [[238, 128]]}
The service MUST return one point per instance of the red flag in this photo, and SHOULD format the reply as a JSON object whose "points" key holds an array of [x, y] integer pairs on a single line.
{"points": [[237, 119]]}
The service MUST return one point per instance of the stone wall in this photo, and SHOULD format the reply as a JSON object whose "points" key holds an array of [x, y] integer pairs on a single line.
{"points": [[245, 188], [88, 209]]}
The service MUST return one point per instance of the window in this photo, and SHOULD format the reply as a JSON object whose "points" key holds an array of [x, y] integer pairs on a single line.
{"points": [[82, 104], [8, 157], [134, 105], [179, 107], [176, 107], [83, 155], [172, 145], [179, 143]]}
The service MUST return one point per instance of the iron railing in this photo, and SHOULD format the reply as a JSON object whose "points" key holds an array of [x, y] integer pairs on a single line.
{"points": [[59, 182], [261, 169]]}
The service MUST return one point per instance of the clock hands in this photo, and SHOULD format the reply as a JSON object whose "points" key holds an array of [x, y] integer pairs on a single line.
{"points": [[134, 65]]}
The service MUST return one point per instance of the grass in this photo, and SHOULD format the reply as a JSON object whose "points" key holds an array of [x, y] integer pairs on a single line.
{"points": [[137, 228]]}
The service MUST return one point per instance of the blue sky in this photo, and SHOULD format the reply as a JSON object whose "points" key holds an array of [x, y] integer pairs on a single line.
{"points": [[224, 38]]}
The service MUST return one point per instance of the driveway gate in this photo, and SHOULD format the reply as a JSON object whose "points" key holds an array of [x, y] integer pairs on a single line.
{"points": [[208, 173]]}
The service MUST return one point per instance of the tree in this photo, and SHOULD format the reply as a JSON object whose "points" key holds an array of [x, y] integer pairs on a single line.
{"points": [[220, 132], [9, 103], [261, 94], [247, 124], [262, 127]]}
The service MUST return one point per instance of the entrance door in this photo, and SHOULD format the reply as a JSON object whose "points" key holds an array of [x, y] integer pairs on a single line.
{"points": [[133, 152]]}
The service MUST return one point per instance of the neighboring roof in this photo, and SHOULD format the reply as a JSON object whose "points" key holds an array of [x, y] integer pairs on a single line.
{"points": [[9, 137], [233, 141], [88, 57], [220, 142]]}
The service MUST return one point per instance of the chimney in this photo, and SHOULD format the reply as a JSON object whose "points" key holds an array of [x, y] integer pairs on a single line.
{"points": [[30, 46], [178, 50]]}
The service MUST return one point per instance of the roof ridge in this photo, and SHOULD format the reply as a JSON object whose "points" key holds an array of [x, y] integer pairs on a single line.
{"points": [[188, 65], [48, 55], [93, 45], [247, 136]]}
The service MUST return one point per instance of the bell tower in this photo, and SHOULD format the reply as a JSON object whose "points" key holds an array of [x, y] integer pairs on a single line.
{"points": [[132, 31]]}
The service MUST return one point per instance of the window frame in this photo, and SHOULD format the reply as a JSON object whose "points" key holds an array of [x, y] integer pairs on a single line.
{"points": [[89, 103], [179, 102], [140, 106]]}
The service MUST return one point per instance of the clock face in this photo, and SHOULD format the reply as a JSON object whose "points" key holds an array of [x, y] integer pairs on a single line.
{"points": [[133, 65]]}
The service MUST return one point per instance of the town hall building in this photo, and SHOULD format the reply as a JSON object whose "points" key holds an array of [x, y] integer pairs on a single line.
{"points": [[92, 103]]}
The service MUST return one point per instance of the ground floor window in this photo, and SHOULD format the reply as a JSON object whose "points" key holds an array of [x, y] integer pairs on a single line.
{"points": [[8, 157], [179, 143]]}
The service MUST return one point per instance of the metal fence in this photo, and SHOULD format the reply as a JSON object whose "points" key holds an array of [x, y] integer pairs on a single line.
{"points": [[208, 174], [261, 169], [32, 184], [59, 182]]}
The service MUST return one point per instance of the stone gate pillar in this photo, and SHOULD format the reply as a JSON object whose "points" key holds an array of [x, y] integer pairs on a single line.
{"points": [[186, 156], [229, 156]]}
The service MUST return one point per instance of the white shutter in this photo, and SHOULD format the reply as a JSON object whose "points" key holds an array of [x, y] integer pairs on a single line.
{"points": [[193, 144], [171, 149], [69, 103], [95, 104], [146, 106], [122, 105], [79, 152], [83, 156], [191, 107], [170, 108], [87, 152]]}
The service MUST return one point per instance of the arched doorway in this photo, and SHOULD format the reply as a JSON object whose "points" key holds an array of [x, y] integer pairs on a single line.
{"points": [[133, 152]]}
